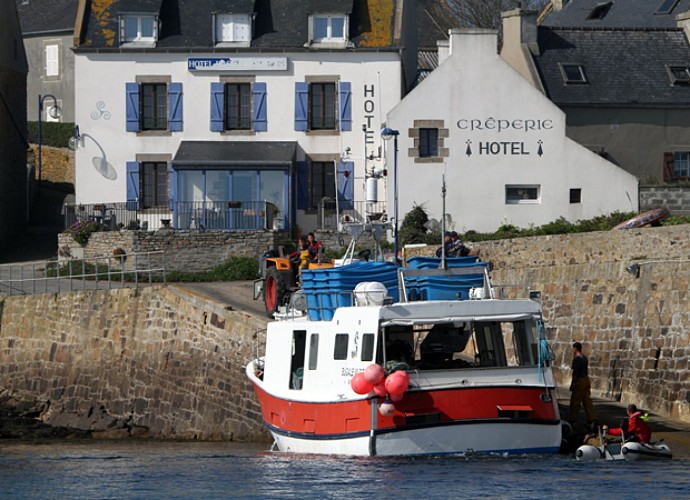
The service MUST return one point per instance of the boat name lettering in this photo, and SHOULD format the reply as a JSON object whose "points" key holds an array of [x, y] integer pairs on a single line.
{"points": [[350, 372], [500, 125]]}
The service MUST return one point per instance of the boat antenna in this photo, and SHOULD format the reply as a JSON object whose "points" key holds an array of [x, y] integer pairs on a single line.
{"points": [[443, 223]]}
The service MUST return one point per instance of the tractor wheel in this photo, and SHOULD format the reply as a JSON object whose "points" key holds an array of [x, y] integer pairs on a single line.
{"points": [[275, 288]]}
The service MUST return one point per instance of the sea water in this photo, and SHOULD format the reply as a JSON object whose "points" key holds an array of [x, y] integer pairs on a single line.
{"points": [[154, 470]]}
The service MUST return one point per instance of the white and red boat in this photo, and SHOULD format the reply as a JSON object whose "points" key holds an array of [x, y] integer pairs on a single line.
{"points": [[430, 362]]}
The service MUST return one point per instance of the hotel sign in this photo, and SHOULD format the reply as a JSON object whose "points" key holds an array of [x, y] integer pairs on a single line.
{"points": [[237, 64]]}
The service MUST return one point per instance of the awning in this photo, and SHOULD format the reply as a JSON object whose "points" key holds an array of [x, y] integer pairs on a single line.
{"points": [[204, 154]]}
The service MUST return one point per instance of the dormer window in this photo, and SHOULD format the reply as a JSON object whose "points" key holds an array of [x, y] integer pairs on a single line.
{"points": [[235, 29], [135, 28], [573, 73], [329, 28], [680, 75]]}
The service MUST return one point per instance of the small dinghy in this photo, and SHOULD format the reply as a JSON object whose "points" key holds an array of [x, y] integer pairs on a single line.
{"points": [[623, 451]]}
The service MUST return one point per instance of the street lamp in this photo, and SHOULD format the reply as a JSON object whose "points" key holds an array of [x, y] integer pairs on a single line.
{"points": [[54, 112], [386, 135]]}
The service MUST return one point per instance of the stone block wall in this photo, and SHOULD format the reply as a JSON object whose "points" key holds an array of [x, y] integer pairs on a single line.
{"points": [[193, 250], [675, 199], [157, 362], [635, 328]]}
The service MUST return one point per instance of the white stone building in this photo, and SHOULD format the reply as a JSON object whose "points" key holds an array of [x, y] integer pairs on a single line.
{"points": [[499, 143]]}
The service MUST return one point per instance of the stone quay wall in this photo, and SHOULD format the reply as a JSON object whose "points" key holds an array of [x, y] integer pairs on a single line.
{"points": [[675, 198], [159, 362], [635, 327]]}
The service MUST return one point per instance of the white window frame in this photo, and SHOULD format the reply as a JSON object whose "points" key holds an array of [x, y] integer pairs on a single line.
{"points": [[520, 191], [139, 37], [329, 28], [681, 164], [52, 55], [235, 21]]}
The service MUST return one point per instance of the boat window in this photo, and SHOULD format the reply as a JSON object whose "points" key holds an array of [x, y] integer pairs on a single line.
{"points": [[313, 350], [399, 349], [524, 343], [341, 341], [299, 341], [441, 346], [490, 347], [368, 346]]}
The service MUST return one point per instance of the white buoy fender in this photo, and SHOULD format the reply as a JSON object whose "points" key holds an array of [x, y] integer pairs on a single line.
{"points": [[588, 453], [370, 293]]}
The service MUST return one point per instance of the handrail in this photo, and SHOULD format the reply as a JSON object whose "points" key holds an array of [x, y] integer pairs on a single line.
{"points": [[106, 272]]}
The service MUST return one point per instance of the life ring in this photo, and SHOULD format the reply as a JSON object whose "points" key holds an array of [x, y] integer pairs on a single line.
{"points": [[651, 217]]}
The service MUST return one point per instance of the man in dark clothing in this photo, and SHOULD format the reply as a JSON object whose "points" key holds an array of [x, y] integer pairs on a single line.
{"points": [[580, 387]]}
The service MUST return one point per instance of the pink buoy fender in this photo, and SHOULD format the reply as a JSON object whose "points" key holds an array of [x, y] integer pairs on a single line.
{"points": [[374, 373], [397, 382], [380, 389], [650, 217], [360, 384]]}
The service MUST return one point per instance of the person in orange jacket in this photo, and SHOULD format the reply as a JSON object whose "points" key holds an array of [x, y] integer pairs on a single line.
{"points": [[635, 429]]}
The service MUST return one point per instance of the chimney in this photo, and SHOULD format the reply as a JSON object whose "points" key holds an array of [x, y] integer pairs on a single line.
{"points": [[443, 48], [520, 27], [683, 21], [482, 42]]}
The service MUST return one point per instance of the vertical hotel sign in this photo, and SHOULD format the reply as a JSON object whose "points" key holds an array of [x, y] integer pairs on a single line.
{"points": [[198, 64]]}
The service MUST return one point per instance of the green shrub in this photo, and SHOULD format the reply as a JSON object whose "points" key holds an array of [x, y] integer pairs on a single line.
{"points": [[234, 269], [81, 230]]}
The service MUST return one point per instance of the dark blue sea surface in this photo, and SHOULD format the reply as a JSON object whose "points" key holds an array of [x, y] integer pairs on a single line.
{"points": [[227, 470]]}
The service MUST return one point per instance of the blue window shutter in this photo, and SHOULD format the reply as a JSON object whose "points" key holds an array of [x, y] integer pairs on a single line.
{"points": [[345, 101], [345, 191], [133, 185], [217, 106], [175, 107], [302, 185], [301, 106], [260, 122], [132, 90]]}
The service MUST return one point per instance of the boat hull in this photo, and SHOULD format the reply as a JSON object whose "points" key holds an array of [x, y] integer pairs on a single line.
{"points": [[452, 438]]}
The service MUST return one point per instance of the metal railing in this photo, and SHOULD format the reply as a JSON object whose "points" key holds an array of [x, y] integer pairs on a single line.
{"points": [[98, 273], [225, 215], [328, 218]]}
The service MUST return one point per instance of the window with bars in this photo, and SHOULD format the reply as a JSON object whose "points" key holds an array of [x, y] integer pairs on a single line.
{"points": [[154, 184], [154, 106], [321, 182], [322, 106], [238, 106]]}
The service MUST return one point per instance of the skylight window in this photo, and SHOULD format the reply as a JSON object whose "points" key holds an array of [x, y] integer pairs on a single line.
{"points": [[667, 7], [573, 73], [599, 12], [679, 74]]}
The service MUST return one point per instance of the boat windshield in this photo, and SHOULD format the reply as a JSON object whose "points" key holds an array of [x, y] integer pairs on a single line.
{"points": [[460, 344]]}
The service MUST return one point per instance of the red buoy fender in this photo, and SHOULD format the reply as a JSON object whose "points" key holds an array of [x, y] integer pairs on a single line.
{"points": [[644, 219]]}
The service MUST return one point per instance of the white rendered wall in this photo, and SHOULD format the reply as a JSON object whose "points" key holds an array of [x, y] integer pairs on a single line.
{"points": [[491, 108], [101, 110]]}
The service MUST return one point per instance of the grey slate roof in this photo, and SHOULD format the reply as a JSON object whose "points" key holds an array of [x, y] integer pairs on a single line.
{"points": [[46, 16], [623, 67], [623, 14], [278, 24], [191, 153], [434, 21]]}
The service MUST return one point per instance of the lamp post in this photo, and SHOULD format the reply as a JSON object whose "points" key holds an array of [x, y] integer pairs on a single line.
{"points": [[54, 112], [386, 135]]}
